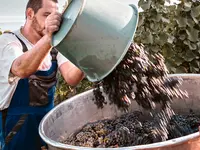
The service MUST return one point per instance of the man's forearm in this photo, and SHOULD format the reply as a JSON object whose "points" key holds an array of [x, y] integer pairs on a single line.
{"points": [[71, 73], [28, 63], [75, 76]]}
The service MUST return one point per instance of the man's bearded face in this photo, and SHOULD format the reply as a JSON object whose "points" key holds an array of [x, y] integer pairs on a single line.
{"points": [[37, 27]]}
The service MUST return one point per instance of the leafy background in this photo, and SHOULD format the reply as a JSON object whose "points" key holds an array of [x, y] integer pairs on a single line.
{"points": [[173, 31]]}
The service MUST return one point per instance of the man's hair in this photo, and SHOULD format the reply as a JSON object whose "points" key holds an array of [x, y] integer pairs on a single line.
{"points": [[36, 4]]}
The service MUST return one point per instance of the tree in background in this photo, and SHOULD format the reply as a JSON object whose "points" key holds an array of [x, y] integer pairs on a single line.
{"points": [[172, 31], [186, 44]]}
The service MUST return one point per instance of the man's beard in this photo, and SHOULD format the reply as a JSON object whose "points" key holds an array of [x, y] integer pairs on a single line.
{"points": [[36, 26]]}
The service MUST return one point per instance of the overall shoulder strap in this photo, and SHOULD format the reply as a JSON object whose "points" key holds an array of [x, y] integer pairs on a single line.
{"points": [[22, 43], [4, 115], [54, 53], [4, 112]]}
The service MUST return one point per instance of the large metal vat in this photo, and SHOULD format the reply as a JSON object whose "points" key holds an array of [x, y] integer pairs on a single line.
{"points": [[72, 114]]}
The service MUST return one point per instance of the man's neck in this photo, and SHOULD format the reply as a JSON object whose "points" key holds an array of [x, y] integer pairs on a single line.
{"points": [[30, 34]]}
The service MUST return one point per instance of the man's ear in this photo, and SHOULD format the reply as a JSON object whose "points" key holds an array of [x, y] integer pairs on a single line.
{"points": [[30, 13]]}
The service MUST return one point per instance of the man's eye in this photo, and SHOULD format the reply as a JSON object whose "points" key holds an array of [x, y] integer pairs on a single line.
{"points": [[46, 15]]}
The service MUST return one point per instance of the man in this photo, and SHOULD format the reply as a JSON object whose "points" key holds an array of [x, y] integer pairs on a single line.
{"points": [[28, 76]]}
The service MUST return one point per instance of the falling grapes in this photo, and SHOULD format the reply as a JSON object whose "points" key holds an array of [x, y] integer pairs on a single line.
{"points": [[143, 79]]}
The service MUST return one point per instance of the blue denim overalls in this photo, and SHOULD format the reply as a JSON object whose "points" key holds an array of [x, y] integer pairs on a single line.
{"points": [[33, 98]]}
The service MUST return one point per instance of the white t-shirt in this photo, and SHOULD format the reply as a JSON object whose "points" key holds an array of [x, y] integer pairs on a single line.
{"points": [[10, 49]]}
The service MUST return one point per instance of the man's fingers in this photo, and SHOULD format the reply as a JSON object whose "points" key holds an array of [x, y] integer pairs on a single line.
{"points": [[56, 15], [53, 22], [53, 28]]}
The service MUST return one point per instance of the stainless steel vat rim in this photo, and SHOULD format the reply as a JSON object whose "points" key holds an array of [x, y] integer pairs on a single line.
{"points": [[172, 142]]}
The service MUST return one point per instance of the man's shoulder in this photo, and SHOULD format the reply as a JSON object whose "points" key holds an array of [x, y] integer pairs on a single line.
{"points": [[7, 35], [7, 38]]}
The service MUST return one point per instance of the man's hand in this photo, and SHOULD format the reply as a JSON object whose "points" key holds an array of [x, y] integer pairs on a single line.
{"points": [[22, 66], [52, 23]]}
